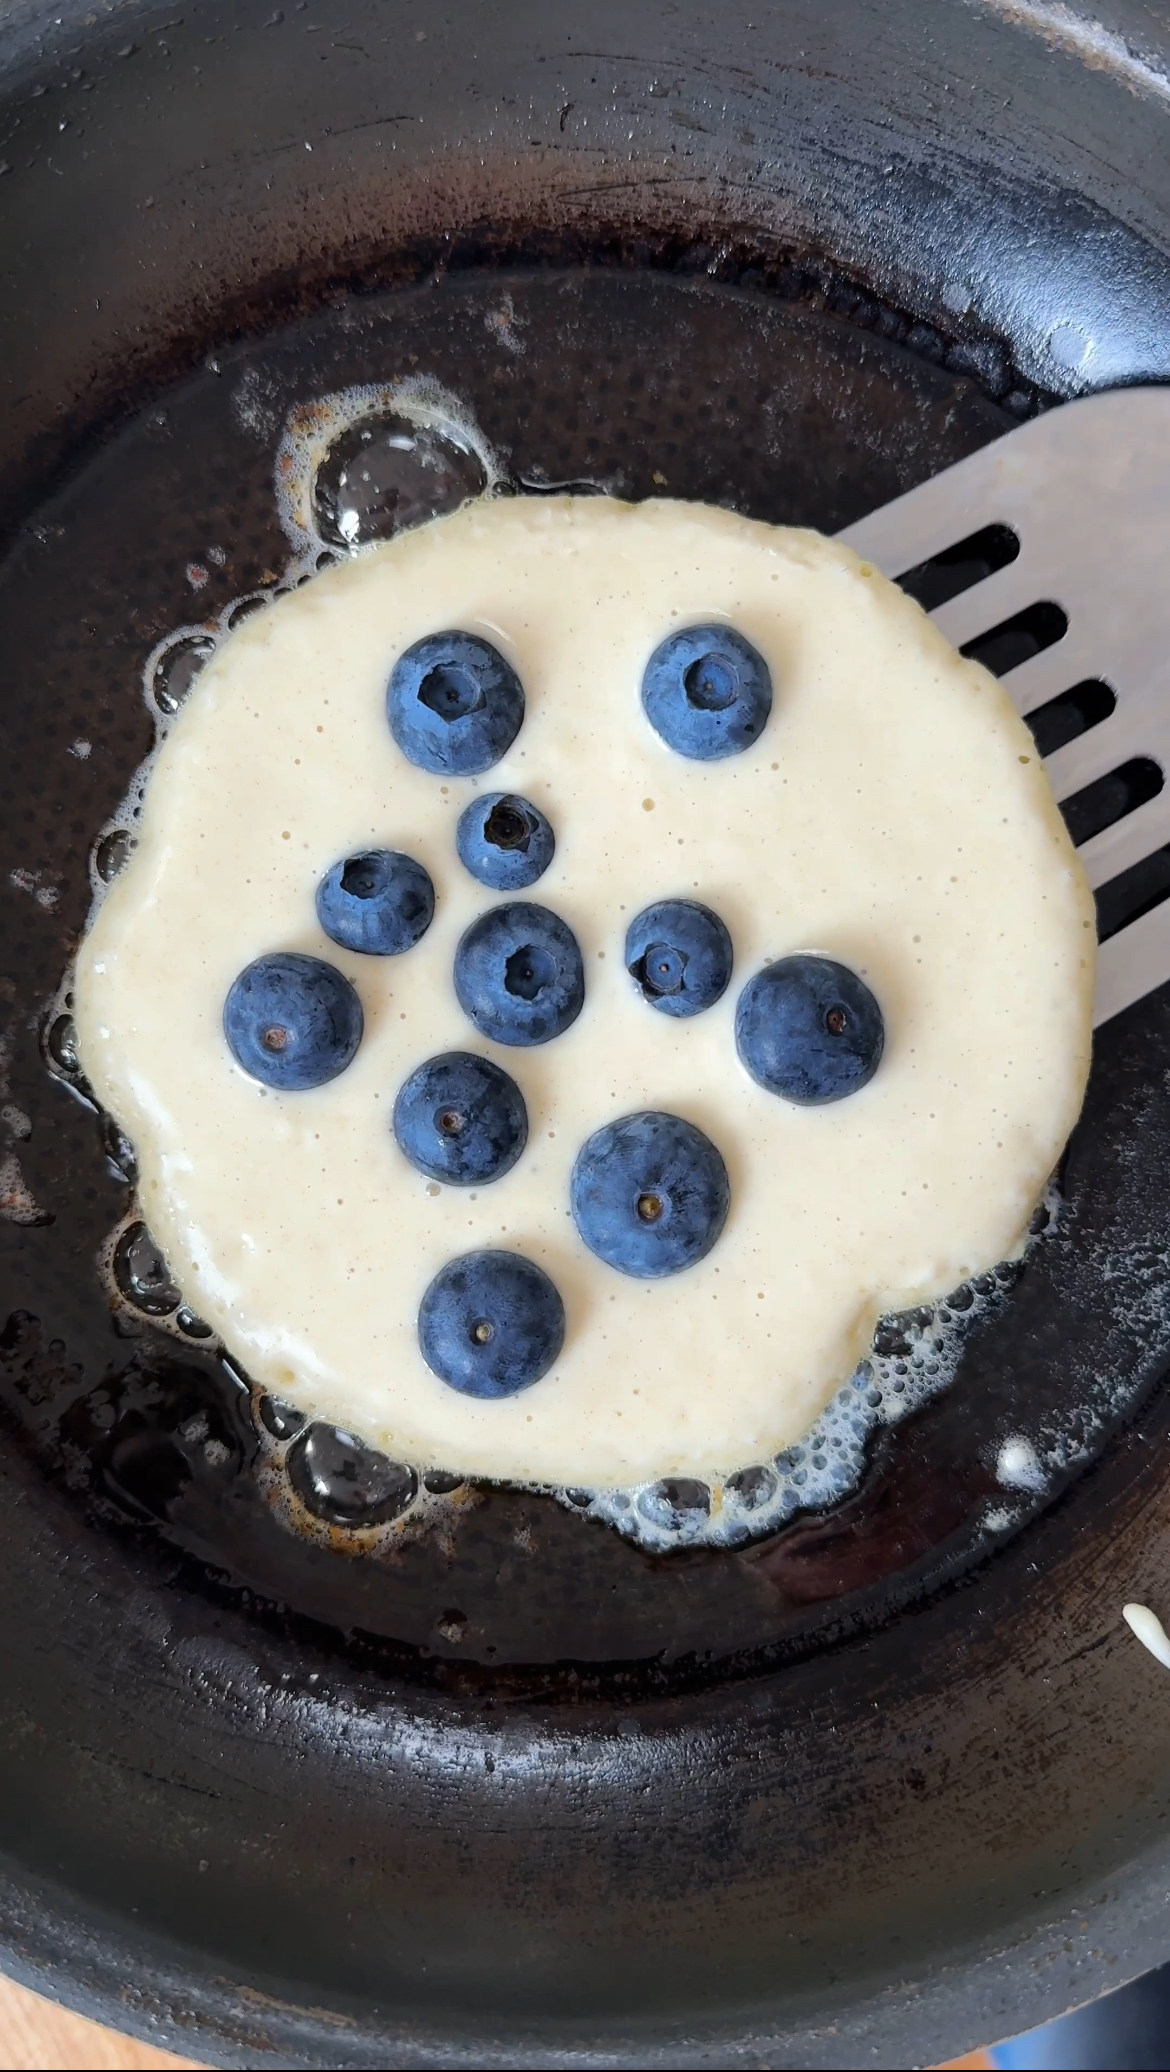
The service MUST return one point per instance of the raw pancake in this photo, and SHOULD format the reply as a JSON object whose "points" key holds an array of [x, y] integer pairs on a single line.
{"points": [[892, 815]]}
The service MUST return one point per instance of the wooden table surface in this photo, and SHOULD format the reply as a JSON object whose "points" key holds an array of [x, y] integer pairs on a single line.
{"points": [[36, 2036]]}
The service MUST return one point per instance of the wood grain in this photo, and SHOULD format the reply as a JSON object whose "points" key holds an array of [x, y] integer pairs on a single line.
{"points": [[37, 2036]]}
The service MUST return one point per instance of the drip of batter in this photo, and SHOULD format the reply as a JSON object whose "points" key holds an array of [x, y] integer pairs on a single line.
{"points": [[891, 815]]}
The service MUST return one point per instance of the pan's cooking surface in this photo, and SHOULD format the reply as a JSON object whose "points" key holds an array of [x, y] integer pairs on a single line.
{"points": [[765, 402], [687, 1803], [631, 382]]}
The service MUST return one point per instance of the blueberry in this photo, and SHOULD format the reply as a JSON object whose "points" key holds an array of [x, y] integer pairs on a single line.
{"points": [[292, 1021], [490, 1324], [454, 704], [379, 903], [518, 974], [809, 1029], [679, 953], [707, 691], [461, 1119], [504, 841], [649, 1194]]}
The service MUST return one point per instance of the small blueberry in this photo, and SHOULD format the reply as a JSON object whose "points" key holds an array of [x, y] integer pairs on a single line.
{"points": [[490, 1324], [379, 903], [707, 691], [809, 1029], [519, 975], [292, 1022], [504, 841], [649, 1194], [679, 954], [454, 704], [461, 1119]]}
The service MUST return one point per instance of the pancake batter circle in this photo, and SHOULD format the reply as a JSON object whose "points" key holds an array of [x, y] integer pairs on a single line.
{"points": [[892, 815]]}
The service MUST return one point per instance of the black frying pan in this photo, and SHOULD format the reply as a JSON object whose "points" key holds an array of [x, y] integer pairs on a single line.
{"points": [[883, 1785]]}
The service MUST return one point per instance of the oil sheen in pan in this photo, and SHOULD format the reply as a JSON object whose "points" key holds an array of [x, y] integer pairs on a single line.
{"points": [[353, 468]]}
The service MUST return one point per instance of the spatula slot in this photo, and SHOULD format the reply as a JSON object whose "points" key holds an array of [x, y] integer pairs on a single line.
{"points": [[958, 568], [1133, 893], [1110, 798], [1067, 717], [1017, 639]]}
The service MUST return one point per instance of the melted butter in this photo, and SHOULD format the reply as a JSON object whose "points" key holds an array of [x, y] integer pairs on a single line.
{"points": [[893, 815]]}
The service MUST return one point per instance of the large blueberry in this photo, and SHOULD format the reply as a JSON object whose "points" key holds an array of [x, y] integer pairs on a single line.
{"points": [[679, 954], [649, 1194], [380, 902], [491, 1323], [504, 841], [292, 1021], [454, 704], [707, 691], [519, 975], [461, 1119], [810, 1029]]}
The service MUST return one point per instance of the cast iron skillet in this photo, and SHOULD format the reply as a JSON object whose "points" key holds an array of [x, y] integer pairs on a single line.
{"points": [[529, 1796]]}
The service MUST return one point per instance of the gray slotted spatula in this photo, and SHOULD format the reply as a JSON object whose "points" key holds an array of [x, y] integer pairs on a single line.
{"points": [[1085, 489]]}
